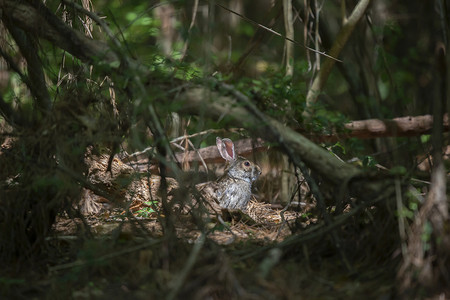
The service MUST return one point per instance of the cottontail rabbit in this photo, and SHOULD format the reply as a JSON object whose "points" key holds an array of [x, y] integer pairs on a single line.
{"points": [[234, 188]]}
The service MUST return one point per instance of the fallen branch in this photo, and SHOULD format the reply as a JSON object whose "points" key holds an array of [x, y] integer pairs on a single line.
{"points": [[244, 147], [38, 20], [200, 99], [375, 128], [320, 230], [362, 129]]}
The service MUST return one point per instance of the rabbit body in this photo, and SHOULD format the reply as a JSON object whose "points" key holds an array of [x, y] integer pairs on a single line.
{"points": [[234, 189]]}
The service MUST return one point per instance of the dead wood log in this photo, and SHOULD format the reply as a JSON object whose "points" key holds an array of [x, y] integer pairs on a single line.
{"points": [[314, 156], [363, 129], [404, 126], [201, 99], [38, 20], [376, 128], [244, 147]]}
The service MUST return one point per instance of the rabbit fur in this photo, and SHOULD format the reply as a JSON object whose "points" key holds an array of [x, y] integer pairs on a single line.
{"points": [[234, 188]]}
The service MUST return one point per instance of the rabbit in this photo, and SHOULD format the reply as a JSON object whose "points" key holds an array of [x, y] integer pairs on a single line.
{"points": [[234, 188]]}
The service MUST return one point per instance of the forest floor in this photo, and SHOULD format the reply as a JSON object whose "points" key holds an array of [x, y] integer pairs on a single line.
{"points": [[143, 254], [129, 258]]}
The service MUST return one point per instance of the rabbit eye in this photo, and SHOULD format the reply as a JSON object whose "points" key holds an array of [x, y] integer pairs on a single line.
{"points": [[247, 164]]}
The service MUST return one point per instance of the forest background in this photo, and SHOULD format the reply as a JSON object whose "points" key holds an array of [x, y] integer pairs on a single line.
{"points": [[344, 105]]}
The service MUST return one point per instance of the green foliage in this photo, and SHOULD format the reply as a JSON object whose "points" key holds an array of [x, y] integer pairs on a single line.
{"points": [[411, 208], [398, 171], [9, 284], [397, 80], [338, 146], [221, 227], [369, 161], [7, 281], [425, 138], [276, 95], [325, 120], [427, 231], [246, 30], [148, 210]]}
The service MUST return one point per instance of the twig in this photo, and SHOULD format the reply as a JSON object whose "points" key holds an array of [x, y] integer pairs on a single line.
{"points": [[401, 219], [322, 229], [317, 9], [108, 256], [36, 76], [339, 43], [233, 235], [204, 133], [283, 219], [194, 16], [9, 113], [199, 155], [289, 28], [12, 64], [296, 160], [181, 278], [97, 20], [276, 33]]}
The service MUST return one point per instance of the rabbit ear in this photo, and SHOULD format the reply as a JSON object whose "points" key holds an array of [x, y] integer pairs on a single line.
{"points": [[226, 148]]}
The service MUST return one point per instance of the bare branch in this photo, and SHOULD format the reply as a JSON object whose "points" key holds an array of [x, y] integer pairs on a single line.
{"points": [[40, 22], [341, 39], [9, 113], [278, 34], [289, 28], [272, 131], [363, 129], [36, 82], [373, 128]]}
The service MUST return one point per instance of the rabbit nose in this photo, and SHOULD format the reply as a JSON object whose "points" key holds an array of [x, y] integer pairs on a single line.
{"points": [[256, 173]]}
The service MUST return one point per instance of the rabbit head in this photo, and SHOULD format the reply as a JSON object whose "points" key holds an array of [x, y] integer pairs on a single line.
{"points": [[235, 185]]}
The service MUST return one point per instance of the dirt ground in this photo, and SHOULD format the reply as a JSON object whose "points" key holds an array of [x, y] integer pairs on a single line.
{"points": [[134, 250], [130, 257]]}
